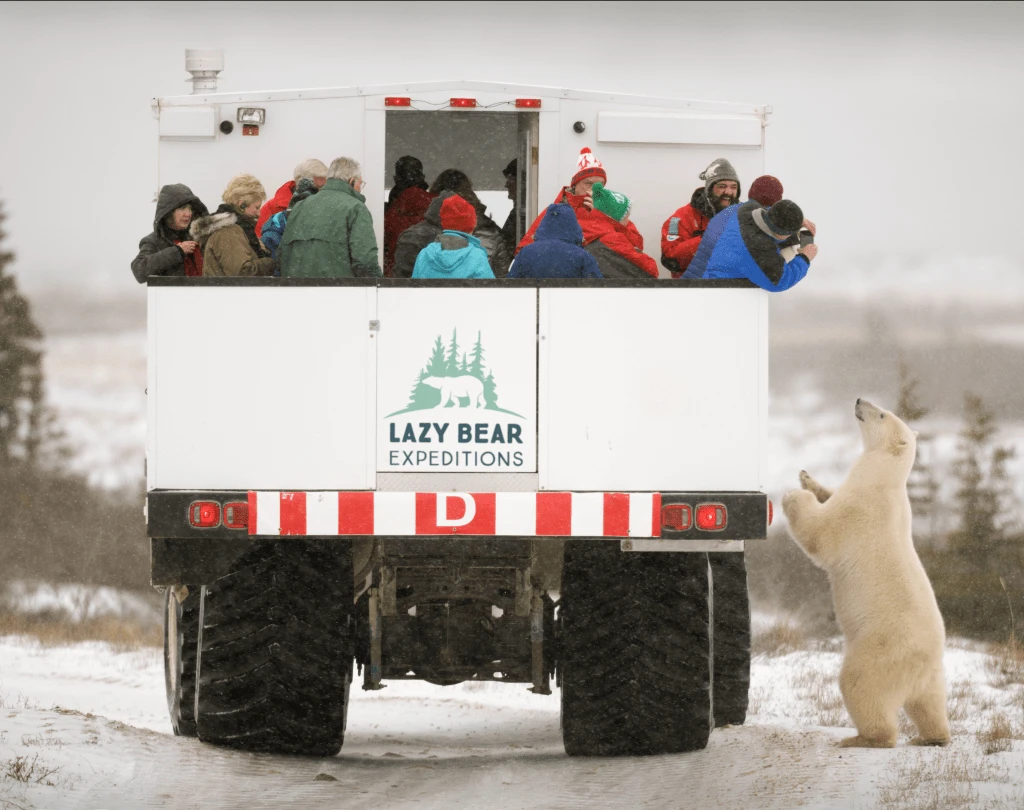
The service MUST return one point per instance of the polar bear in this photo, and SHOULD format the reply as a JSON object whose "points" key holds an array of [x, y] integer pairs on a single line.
{"points": [[454, 389], [885, 606]]}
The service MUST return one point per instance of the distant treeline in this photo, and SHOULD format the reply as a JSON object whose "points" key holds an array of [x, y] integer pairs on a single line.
{"points": [[53, 524]]}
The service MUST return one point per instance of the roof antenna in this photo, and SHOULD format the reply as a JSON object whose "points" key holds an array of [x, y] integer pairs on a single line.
{"points": [[204, 66]]}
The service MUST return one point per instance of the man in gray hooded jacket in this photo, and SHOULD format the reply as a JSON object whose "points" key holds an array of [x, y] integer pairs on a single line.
{"points": [[169, 250]]}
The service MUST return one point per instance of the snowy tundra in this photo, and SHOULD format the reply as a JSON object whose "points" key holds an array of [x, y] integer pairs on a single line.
{"points": [[861, 536]]}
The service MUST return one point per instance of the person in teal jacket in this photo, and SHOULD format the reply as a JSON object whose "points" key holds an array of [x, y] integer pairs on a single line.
{"points": [[456, 253], [330, 235]]}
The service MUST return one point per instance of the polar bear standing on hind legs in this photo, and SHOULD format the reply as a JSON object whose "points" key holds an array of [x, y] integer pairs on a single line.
{"points": [[893, 631]]}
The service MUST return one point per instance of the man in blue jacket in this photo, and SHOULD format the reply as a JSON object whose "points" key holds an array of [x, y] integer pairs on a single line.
{"points": [[749, 245]]}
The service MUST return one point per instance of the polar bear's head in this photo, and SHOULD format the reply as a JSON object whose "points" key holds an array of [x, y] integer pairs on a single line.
{"points": [[884, 431]]}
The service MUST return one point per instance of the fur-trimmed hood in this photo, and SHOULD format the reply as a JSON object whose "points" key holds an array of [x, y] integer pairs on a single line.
{"points": [[204, 227]]}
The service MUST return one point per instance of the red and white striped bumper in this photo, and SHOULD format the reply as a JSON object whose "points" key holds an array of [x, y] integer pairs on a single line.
{"points": [[514, 514]]}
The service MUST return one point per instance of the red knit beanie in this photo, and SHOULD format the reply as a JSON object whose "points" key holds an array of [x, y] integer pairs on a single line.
{"points": [[588, 166], [458, 215], [766, 190]]}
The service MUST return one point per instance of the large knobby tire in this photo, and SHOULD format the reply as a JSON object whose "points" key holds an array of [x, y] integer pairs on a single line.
{"points": [[181, 640], [275, 649], [635, 654], [732, 637]]}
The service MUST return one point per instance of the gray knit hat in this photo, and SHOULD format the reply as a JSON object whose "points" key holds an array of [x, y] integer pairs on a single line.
{"points": [[719, 170]]}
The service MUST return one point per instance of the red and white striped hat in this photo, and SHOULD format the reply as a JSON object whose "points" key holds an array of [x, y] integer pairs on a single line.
{"points": [[588, 166]]}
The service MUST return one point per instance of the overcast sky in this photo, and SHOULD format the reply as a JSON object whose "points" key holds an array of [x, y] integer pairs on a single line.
{"points": [[897, 127]]}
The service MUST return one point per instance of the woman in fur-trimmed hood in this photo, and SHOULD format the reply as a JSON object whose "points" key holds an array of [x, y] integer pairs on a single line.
{"points": [[228, 236], [168, 250]]}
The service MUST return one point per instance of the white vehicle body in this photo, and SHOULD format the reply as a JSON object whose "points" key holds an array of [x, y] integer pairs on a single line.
{"points": [[269, 388]]}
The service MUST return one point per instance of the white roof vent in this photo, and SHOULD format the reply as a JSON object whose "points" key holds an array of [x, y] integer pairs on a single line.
{"points": [[204, 67]]}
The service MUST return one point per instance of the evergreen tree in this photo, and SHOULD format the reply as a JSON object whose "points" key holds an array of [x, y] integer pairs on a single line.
{"points": [[437, 367], [490, 391], [922, 486], [452, 364], [23, 422], [476, 365], [983, 495]]}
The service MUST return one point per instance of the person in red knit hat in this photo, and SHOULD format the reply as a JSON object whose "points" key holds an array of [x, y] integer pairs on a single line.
{"points": [[456, 253], [622, 239]]}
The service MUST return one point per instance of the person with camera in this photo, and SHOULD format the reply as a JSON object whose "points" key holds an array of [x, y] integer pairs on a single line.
{"points": [[765, 191], [750, 246], [682, 232]]}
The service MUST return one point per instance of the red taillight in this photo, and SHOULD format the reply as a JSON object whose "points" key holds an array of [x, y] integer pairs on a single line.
{"points": [[771, 513], [204, 514], [236, 515], [527, 102], [463, 102], [711, 517], [397, 101], [676, 516]]}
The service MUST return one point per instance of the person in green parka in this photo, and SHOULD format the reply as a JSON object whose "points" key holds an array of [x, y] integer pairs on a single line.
{"points": [[330, 235]]}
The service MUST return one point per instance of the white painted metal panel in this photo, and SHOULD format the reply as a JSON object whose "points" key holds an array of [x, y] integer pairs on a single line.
{"points": [[664, 127], [652, 390], [412, 320], [188, 123], [260, 388]]}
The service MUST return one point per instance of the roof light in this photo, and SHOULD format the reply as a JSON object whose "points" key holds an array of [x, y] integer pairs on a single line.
{"points": [[236, 515], [676, 516], [463, 102], [204, 514], [527, 102], [711, 517], [397, 101]]}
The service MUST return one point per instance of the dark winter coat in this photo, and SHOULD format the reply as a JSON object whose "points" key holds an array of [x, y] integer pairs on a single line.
{"points": [[406, 209], [555, 251], [620, 253], [158, 254], [414, 239], [330, 235], [743, 250], [227, 238]]}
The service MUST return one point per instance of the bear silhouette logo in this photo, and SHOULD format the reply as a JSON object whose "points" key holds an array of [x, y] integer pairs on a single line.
{"points": [[454, 378], [455, 389]]}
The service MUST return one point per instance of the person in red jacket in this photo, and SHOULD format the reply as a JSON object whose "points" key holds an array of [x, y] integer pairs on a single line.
{"points": [[407, 205], [681, 233], [622, 239], [314, 169]]}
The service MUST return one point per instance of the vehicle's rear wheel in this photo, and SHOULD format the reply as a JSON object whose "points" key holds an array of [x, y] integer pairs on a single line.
{"points": [[635, 651], [181, 639], [275, 649], [732, 637]]}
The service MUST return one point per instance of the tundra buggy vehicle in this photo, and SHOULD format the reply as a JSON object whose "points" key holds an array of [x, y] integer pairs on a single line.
{"points": [[525, 481]]}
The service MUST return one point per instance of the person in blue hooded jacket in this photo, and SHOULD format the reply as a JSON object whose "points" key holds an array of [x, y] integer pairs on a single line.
{"points": [[750, 246], [456, 253], [556, 250]]}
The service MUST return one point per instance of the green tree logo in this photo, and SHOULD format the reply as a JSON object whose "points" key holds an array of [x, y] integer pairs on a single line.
{"points": [[454, 379]]}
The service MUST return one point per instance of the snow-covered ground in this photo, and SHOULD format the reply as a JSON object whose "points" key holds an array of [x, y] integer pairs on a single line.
{"points": [[90, 723]]}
